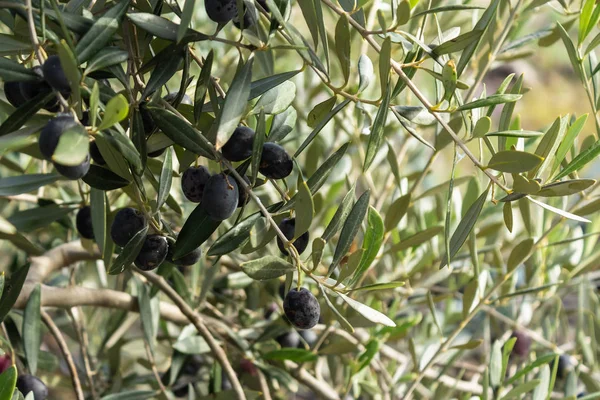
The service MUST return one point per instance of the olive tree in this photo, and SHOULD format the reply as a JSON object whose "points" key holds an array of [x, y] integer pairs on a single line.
{"points": [[246, 199]]}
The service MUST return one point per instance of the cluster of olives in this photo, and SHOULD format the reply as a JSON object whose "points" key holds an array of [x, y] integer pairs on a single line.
{"points": [[49, 76], [219, 194], [223, 11]]}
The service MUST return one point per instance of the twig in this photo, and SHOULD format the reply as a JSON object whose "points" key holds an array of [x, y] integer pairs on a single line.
{"points": [[264, 385], [157, 376], [33, 33], [65, 351], [319, 387], [196, 319], [83, 343]]}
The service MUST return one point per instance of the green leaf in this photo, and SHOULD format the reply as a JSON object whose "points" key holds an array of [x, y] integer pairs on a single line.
{"points": [[124, 149], [8, 381], [130, 395], [516, 133], [378, 286], [146, 314], [343, 45], [235, 103], [12, 289], [565, 188], [192, 345], [257, 146], [376, 136], [482, 127], [166, 177], [589, 208], [470, 345], [367, 312], [166, 64], [234, 237], [296, 355], [310, 16], [98, 206], [186, 18], [481, 25], [339, 218], [365, 73], [584, 19], [567, 142], [266, 268], [197, 229], [163, 28], [508, 216], [319, 127], [572, 52], [343, 321], [73, 146], [305, 208], [458, 43], [350, 229], [69, 65], [261, 86], [464, 228], [24, 113], [129, 252], [202, 86], [447, 8], [34, 218], [116, 111], [396, 212], [105, 58], [384, 64], [101, 32], [520, 253], [15, 185], [548, 145], [94, 104], [319, 111], [282, 124], [489, 101], [277, 99], [514, 162], [496, 364], [518, 391], [32, 334], [417, 239], [541, 390], [580, 161], [371, 244], [558, 211], [12, 71], [545, 359], [181, 132], [104, 179]]}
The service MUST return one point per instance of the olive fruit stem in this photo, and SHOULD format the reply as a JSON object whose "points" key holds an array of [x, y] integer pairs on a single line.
{"points": [[140, 202]]}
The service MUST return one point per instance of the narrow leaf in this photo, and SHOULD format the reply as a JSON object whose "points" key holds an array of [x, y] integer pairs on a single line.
{"points": [[466, 225]]}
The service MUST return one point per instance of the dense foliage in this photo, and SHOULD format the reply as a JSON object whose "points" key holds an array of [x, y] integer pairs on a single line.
{"points": [[217, 199]]}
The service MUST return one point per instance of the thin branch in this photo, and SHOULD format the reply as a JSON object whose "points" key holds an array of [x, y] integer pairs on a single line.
{"points": [[84, 345], [157, 376], [33, 33], [197, 321], [66, 353]]}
